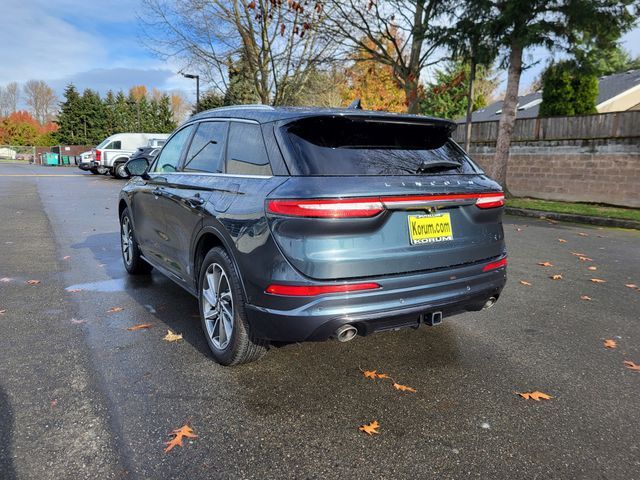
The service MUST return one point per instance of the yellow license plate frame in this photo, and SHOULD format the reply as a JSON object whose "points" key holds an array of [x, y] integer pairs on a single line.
{"points": [[434, 228]]}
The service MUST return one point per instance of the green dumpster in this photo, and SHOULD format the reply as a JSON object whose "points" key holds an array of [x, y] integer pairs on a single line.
{"points": [[65, 159], [49, 158]]}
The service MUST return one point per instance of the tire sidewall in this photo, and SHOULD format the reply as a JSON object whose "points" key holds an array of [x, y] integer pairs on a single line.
{"points": [[219, 256]]}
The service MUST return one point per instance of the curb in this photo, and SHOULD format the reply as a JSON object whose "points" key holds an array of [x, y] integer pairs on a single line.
{"points": [[570, 217]]}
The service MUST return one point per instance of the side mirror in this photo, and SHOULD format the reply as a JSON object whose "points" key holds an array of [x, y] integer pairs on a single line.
{"points": [[137, 167]]}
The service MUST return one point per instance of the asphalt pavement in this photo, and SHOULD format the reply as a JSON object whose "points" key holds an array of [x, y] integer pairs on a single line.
{"points": [[83, 397]]}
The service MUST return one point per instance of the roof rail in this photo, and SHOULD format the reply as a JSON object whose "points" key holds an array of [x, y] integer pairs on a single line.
{"points": [[247, 106]]}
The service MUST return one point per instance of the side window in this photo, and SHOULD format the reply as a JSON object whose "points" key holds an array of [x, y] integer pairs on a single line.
{"points": [[115, 145], [246, 153], [205, 152], [169, 157]]}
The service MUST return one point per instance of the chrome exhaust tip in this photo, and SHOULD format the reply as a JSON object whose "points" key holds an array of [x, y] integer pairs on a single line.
{"points": [[346, 332], [489, 303]]}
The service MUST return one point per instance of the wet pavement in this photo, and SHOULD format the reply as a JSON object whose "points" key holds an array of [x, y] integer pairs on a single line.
{"points": [[83, 397]]}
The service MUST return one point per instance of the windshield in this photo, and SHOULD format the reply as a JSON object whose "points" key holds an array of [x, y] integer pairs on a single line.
{"points": [[103, 143], [360, 146]]}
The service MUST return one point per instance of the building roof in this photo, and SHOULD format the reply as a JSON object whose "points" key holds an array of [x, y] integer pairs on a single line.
{"points": [[529, 105], [266, 113]]}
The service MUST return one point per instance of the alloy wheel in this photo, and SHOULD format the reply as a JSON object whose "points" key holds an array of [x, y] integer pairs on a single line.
{"points": [[217, 302], [126, 240]]}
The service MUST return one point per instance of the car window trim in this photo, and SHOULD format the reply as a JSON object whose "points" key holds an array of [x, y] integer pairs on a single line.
{"points": [[237, 175]]}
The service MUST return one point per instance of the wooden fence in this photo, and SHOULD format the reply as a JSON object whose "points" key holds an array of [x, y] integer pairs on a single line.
{"points": [[583, 127]]}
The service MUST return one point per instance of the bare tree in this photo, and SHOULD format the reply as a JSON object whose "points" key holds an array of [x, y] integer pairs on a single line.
{"points": [[398, 33], [9, 97], [278, 41], [180, 107], [41, 100]]}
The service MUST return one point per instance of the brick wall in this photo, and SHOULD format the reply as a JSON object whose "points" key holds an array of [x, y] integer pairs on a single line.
{"points": [[599, 172]]}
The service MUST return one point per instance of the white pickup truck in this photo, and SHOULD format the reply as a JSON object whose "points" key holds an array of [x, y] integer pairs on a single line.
{"points": [[114, 151]]}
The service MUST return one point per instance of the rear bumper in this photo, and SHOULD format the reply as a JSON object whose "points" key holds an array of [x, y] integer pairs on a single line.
{"points": [[401, 301]]}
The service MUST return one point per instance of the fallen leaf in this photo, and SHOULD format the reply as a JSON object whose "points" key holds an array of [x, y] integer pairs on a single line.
{"points": [[178, 435], [518, 229], [585, 297], [545, 264], [2, 312], [370, 428], [609, 343], [78, 322], [562, 240], [382, 375], [172, 337], [115, 309], [582, 234], [537, 396], [552, 222], [592, 268], [370, 374], [74, 290], [67, 257], [54, 403], [556, 277], [140, 326], [598, 280], [403, 388], [33, 282], [631, 285], [586, 259], [577, 254], [523, 282], [632, 366]]}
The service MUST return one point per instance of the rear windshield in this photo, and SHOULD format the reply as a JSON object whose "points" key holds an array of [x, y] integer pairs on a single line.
{"points": [[357, 146]]}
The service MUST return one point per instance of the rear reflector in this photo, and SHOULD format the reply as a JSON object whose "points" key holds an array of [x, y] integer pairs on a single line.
{"points": [[495, 265], [331, 208], [313, 290], [490, 201]]}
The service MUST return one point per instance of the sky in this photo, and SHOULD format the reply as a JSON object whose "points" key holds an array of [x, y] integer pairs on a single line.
{"points": [[97, 44]]}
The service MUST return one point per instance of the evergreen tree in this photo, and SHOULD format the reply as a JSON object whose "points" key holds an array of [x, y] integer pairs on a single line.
{"points": [[122, 114], [110, 113], [69, 123], [241, 89], [93, 118], [568, 90], [164, 116], [209, 100]]}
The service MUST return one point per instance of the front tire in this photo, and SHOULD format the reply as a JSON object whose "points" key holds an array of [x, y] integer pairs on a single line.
{"points": [[131, 256], [222, 313], [120, 171]]}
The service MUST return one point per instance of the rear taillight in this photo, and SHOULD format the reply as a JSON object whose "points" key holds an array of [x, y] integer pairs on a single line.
{"points": [[490, 200], [98, 155], [495, 265], [372, 206], [313, 290], [331, 208]]}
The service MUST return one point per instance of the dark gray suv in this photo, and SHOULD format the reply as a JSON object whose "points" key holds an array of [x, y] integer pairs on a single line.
{"points": [[293, 224]]}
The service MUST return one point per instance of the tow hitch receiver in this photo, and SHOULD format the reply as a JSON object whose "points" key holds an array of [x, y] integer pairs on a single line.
{"points": [[433, 319]]}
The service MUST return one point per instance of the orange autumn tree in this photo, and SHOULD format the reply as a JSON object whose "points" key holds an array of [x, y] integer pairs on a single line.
{"points": [[374, 84]]}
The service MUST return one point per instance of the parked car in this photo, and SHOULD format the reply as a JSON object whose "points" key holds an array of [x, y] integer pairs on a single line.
{"points": [[294, 224], [84, 160], [113, 152], [147, 153]]}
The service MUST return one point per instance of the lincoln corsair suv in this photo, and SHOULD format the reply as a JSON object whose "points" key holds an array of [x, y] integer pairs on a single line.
{"points": [[294, 224]]}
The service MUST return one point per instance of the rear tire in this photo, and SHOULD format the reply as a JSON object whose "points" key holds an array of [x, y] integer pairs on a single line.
{"points": [[222, 312], [131, 256], [94, 171]]}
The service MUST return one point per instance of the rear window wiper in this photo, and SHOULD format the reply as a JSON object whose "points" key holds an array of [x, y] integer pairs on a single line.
{"points": [[443, 165]]}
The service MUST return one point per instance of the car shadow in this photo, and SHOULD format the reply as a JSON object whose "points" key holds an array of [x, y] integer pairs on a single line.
{"points": [[7, 471]]}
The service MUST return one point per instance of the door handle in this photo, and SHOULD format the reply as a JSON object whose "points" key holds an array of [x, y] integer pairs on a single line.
{"points": [[196, 200]]}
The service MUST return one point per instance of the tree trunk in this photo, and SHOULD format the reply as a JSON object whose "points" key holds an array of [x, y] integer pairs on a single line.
{"points": [[508, 117], [472, 79], [411, 94]]}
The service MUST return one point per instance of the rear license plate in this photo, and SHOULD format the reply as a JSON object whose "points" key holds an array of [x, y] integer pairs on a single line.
{"points": [[430, 228]]}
